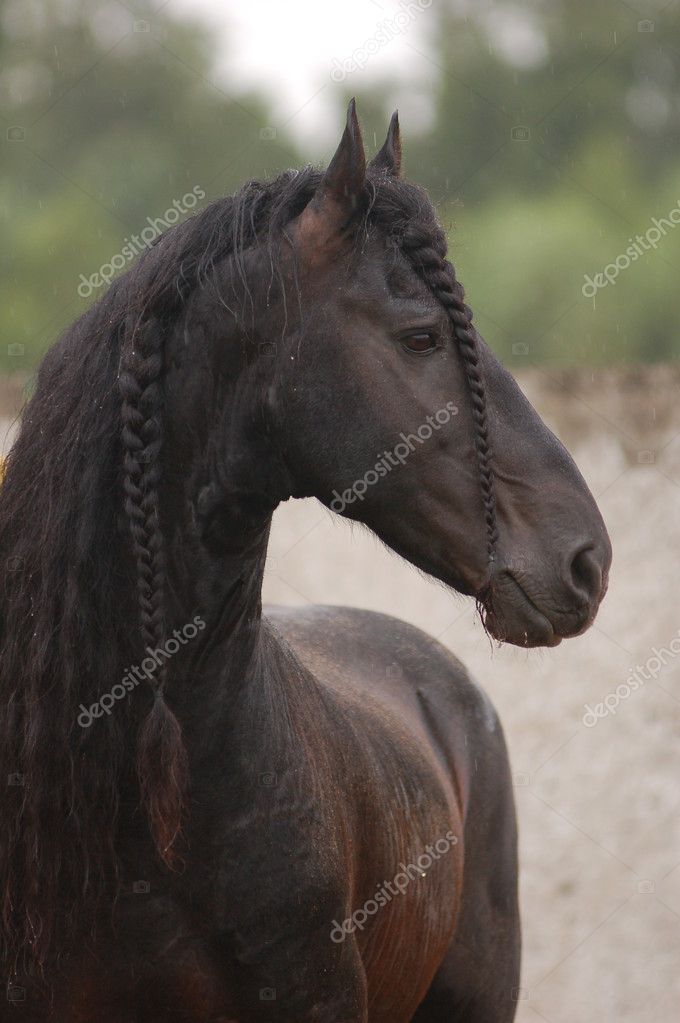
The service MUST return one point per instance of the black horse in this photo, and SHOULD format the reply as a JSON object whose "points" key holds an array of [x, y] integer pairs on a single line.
{"points": [[306, 816]]}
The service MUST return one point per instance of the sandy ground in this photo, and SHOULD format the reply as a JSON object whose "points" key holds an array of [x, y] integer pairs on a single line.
{"points": [[599, 807]]}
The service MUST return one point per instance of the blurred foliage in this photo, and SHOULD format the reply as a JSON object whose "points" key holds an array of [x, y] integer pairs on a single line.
{"points": [[557, 132], [554, 140], [107, 117]]}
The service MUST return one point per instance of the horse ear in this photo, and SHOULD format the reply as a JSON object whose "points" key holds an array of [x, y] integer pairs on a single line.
{"points": [[389, 157], [340, 193]]}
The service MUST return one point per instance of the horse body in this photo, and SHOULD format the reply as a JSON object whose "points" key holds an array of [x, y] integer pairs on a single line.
{"points": [[304, 825], [305, 816]]}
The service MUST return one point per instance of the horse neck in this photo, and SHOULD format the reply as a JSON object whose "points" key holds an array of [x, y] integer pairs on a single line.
{"points": [[215, 579], [217, 510]]}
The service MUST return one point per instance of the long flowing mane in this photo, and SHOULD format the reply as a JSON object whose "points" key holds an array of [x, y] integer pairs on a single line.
{"points": [[69, 608], [68, 620]]}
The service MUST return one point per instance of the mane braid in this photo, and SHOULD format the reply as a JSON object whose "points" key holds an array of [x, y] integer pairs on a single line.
{"points": [[161, 755], [427, 253]]}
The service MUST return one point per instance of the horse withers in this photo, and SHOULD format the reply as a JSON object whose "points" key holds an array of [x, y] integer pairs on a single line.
{"points": [[217, 815]]}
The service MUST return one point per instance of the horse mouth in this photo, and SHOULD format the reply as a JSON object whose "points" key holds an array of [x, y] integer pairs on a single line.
{"points": [[511, 616]]}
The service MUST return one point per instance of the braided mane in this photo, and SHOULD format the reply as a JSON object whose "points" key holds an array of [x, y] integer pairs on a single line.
{"points": [[428, 257], [161, 757], [405, 212]]}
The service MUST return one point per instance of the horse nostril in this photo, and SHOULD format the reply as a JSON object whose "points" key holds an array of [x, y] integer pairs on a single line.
{"points": [[586, 573]]}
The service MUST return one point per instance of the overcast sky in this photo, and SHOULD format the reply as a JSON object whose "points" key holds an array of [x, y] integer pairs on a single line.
{"points": [[303, 52]]}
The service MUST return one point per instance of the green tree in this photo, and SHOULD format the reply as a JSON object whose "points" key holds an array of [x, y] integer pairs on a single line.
{"points": [[108, 117]]}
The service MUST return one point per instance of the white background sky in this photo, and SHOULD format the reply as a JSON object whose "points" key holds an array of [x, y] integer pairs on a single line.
{"points": [[288, 48]]}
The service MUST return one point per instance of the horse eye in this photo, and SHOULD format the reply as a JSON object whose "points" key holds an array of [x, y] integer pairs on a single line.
{"points": [[419, 344]]}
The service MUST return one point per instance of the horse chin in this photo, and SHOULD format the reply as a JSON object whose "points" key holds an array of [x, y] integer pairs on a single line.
{"points": [[511, 616]]}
